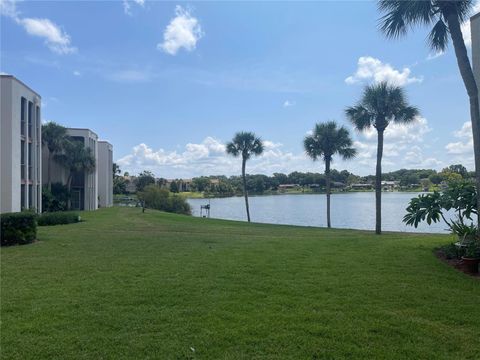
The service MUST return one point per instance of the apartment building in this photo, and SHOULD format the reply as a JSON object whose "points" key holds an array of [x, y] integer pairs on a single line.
{"points": [[20, 146], [84, 185], [105, 174]]}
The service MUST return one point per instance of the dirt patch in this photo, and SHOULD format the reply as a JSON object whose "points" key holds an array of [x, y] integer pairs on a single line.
{"points": [[455, 263]]}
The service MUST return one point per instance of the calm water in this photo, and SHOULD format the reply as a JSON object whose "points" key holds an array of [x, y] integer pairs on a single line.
{"points": [[349, 210]]}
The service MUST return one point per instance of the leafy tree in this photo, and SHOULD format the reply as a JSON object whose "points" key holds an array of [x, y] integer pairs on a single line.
{"points": [[245, 144], [119, 185], [445, 17], [55, 198], [54, 138], [174, 187], [326, 141], [380, 105], [76, 159], [161, 199], [459, 197], [436, 178], [143, 179], [201, 183], [458, 169], [409, 179], [116, 170]]}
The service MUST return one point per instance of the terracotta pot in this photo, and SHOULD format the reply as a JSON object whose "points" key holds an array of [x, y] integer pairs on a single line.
{"points": [[471, 264]]}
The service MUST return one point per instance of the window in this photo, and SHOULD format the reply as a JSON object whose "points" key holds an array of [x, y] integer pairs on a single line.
{"points": [[30, 196], [30, 162], [22, 159], [30, 119], [37, 117], [22, 197], [23, 105]]}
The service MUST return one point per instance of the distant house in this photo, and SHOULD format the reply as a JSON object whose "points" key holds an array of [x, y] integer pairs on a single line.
{"points": [[183, 184], [390, 185], [338, 184], [131, 187], [361, 186], [288, 186]]}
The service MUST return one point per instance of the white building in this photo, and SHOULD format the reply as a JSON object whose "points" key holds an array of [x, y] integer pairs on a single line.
{"points": [[105, 174], [20, 146], [84, 186]]}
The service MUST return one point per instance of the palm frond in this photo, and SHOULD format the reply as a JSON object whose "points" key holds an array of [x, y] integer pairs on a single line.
{"points": [[438, 36]]}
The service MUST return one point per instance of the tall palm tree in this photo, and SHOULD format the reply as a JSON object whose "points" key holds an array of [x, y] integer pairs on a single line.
{"points": [[445, 17], [326, 141], [245, 144], [381, 104], [75, 159], [54, 137]]}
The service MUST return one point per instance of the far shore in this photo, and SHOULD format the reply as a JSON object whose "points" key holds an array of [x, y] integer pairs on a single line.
{"points": [[200, 195]]}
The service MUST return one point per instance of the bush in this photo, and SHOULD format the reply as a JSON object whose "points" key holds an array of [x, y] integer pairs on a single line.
{"points": [[18, 228], [161, 199], [55, 199], [58, 218]]}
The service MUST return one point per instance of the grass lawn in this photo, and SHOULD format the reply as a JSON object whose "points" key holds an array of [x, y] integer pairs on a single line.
{"points": [[127, 285]]}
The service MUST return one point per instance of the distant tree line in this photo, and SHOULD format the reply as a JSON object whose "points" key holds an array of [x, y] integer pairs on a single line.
{"points": [[261, 184]]}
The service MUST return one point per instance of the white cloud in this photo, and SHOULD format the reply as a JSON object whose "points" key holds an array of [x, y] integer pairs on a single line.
{"points": [[465, 144], [436, 55], [209, 158], [9, 8], [466, 30], [127, 9], [77, 73], [184, 31], [403, 147], [289, 103], [55, 38], [372, 69]]}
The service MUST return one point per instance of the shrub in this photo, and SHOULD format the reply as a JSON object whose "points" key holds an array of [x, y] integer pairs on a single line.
{"points": [[161, 199], [18, 228], [58, 218], [55, 199]]}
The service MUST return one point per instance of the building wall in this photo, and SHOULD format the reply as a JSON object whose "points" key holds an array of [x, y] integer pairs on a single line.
{"points": [[105, 174], [21, 184]]}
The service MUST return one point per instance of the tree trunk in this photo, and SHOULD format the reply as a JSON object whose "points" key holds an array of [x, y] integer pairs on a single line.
{"points": [[244, 163], [378, 184], [472, 90], [327, 179], [49, 181]]}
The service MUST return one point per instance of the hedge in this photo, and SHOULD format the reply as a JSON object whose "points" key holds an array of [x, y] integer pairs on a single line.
{"points": [[18, 228], [58, 218]]}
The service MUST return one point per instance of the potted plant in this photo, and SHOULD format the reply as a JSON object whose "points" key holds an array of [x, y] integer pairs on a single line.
{"points": [[471, 259]]}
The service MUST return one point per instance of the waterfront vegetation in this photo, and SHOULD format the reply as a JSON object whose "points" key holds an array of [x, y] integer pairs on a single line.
{"points": [[127, 284]]}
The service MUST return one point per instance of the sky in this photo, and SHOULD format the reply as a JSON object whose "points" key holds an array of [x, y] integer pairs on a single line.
{"points": [[169, 83]]}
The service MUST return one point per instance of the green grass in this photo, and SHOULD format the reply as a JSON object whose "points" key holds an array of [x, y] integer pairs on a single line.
{"points": [[127, 285]]}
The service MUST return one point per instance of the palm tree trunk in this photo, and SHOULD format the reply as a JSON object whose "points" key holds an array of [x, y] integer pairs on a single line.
{"points": [[378, 184], [327, 179], [244, 163], [472, 90]]}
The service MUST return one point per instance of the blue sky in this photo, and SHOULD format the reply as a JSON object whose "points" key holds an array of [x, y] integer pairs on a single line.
{"points": [[168, 83]]}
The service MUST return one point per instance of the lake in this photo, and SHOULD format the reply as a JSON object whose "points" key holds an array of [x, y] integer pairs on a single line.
{"points": [[355, 210]]}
